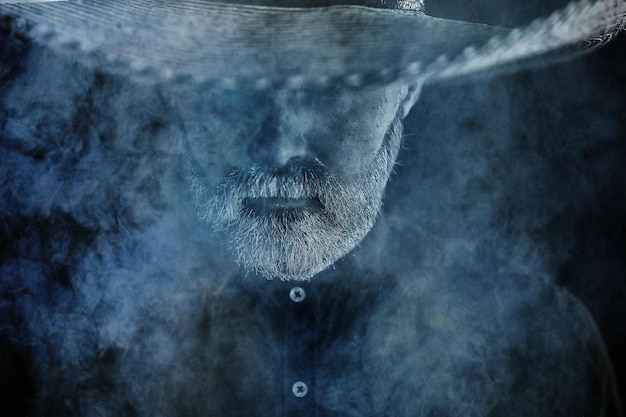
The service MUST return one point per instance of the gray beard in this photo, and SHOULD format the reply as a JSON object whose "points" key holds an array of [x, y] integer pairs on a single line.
{"points": [[296, 244]]}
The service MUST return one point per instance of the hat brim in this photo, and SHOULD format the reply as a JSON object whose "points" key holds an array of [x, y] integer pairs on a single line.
{"points": [[204, 41]]}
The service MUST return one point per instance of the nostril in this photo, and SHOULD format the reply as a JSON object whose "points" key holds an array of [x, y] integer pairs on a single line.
{"points": [[274, 145], [290, 149]]}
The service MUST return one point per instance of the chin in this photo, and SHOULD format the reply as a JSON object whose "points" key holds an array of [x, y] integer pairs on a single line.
{"points": [[298, 247]]}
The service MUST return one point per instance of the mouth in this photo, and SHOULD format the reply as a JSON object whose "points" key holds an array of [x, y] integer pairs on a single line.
{"points": [[277, 205]]}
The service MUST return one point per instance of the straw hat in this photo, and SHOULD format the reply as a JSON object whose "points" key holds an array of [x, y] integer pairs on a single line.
{"points": [[157, 40]]}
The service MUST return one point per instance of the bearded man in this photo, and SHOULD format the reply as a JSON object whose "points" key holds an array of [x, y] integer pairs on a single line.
{"points": [[191, 214]]}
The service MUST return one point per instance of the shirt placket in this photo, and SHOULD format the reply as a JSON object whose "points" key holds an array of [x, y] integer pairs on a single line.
{"points": [[300, 351]]}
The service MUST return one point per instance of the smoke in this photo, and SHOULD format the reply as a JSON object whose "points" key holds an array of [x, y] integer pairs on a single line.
{"points": [[119, 301], [511, 178]]}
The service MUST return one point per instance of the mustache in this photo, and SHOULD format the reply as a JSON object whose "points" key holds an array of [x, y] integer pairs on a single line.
{"points": [[299, 179]]}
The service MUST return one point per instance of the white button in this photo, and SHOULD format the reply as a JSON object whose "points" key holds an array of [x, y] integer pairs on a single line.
{"points": [[299, 389], [297, 294]]}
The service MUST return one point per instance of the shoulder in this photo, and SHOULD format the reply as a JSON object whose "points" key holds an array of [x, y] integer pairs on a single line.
{"points": [[509, 345]]}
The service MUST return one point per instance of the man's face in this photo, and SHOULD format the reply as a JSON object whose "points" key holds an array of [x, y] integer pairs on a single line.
{"points": [[293, 178]]}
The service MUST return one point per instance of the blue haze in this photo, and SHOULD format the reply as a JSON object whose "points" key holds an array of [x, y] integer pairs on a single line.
{"points": [[125, 304]]}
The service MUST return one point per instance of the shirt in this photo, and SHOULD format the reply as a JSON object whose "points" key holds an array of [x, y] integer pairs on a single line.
{"points": [[363, 338]]}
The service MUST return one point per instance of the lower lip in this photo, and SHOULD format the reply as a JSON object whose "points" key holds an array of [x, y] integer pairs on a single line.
{"points": [[274, 204]]}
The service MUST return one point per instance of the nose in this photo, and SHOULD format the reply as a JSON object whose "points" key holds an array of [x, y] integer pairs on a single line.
{"points": [[276, 143]]}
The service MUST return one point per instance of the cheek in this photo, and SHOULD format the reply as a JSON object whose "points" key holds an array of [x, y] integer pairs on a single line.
{"points": [[218, 144], [218, 126], [359, 135], [209, 140], [209, 153]]}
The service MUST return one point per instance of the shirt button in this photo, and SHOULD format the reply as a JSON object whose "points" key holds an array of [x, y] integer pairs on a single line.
{"points": [[299, 389], [297, 294]]}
